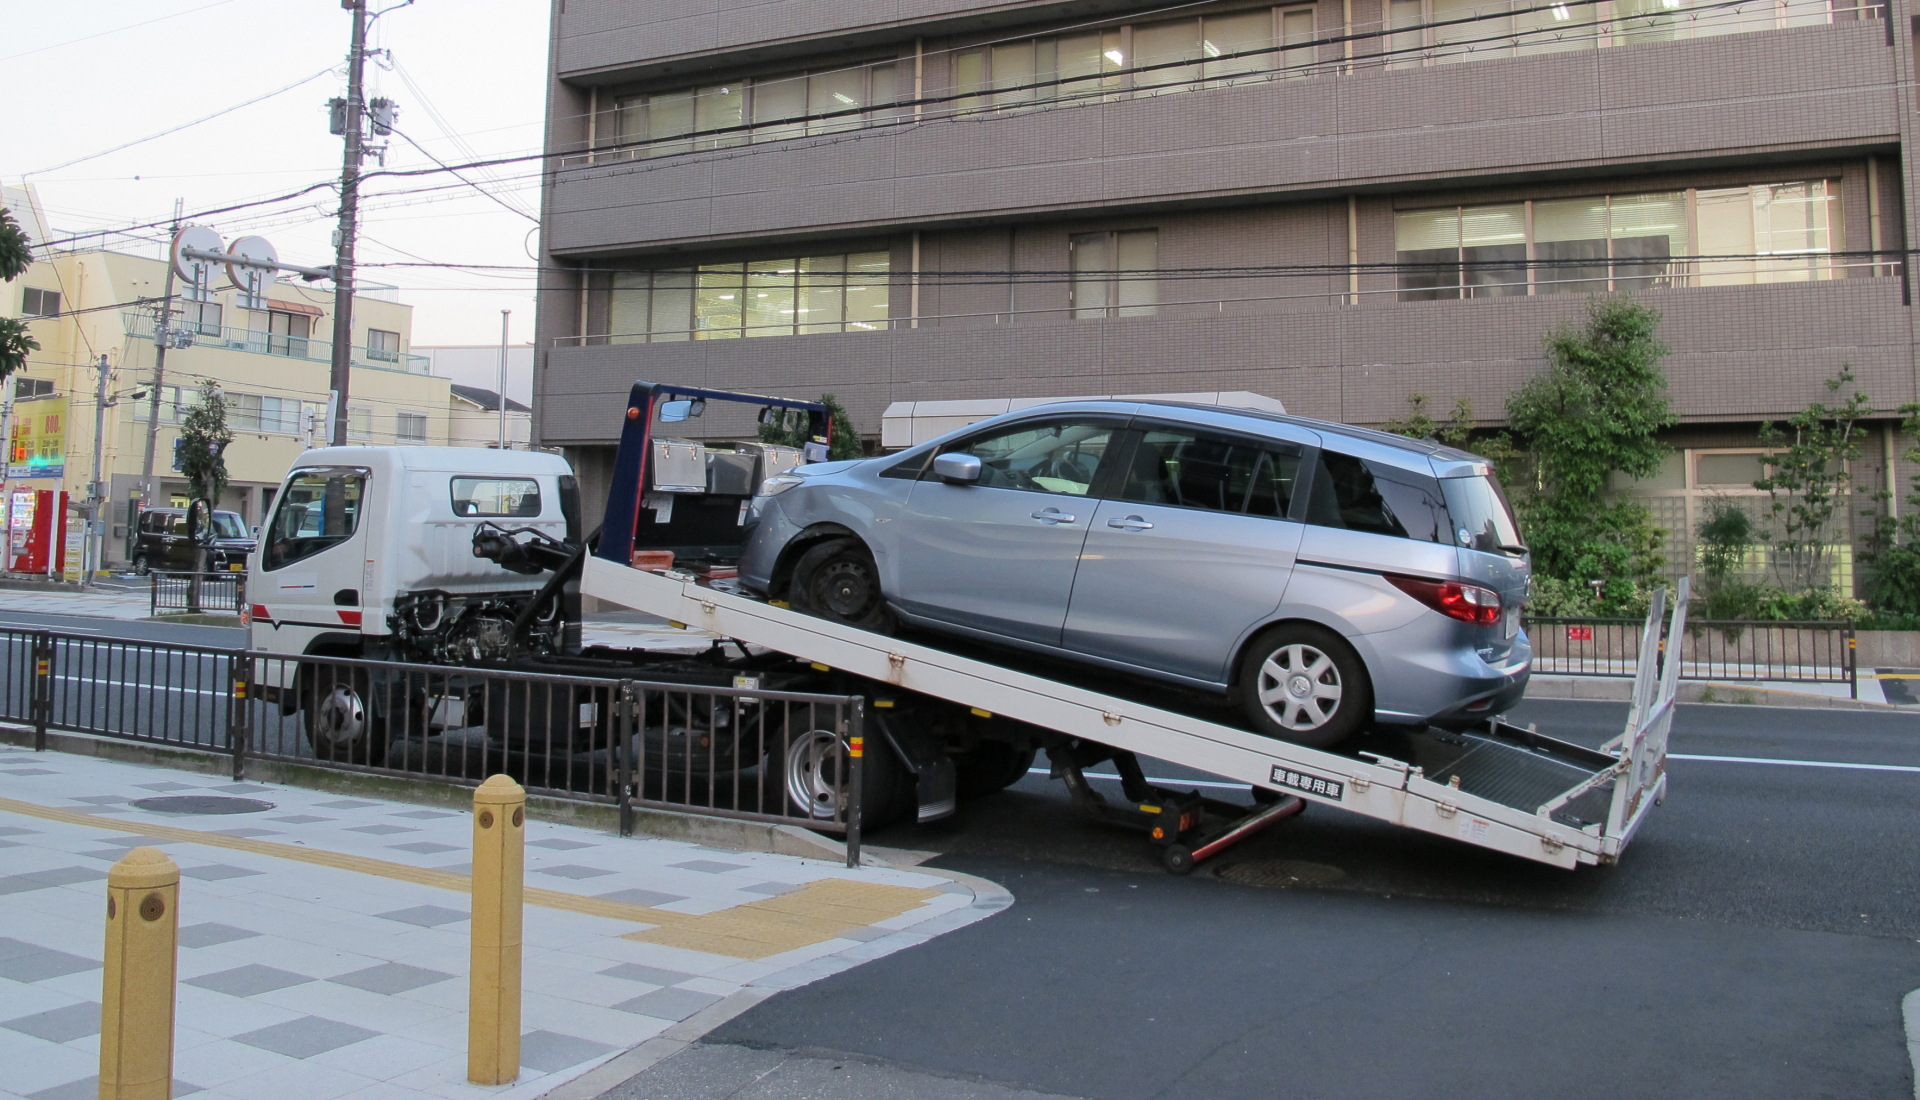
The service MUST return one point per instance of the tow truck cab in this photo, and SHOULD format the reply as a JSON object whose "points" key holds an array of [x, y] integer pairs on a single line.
{"points": [[370, 552]]}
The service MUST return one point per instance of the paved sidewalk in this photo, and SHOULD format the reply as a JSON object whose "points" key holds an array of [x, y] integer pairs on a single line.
{"points": [[323, 944]]}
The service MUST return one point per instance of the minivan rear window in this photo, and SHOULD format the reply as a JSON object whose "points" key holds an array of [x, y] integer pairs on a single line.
{"points": [[1365, 496], [1481, 518]]}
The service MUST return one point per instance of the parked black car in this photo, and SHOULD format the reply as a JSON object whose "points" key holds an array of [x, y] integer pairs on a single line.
{"points": [[161, 542]]}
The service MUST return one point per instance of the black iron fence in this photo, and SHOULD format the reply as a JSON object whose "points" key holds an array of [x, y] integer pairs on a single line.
{"points": [[1789, 653], [217, 592], [729, 751]]}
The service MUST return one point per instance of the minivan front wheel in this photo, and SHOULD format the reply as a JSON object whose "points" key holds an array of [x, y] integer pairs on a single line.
{"points": [[140, 565], [1301, 683], [838, 580]]}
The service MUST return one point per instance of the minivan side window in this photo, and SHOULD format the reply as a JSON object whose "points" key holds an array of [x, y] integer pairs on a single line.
{"points": [[1357, 495], [1189, 469], [318, 509], [1054, 457]]}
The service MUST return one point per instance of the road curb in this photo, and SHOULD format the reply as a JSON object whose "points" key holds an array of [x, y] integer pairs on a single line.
{"points": [[1910, 1008], [1620, 689]]}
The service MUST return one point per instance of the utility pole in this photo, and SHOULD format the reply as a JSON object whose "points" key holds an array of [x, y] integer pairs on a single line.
{"points": [[349, 212], [96, 538], [149, 488], [502, 403]]}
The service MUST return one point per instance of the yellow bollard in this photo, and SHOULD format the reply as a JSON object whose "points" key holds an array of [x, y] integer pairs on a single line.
{"points": [[136, 998], [493, 990]]}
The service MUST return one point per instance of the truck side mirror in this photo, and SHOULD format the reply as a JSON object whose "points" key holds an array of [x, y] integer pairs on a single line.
{"points": [[672, 412], [957, 469]]}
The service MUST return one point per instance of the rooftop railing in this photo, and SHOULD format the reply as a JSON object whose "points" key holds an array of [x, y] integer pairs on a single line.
{"points": [[291, 347]]}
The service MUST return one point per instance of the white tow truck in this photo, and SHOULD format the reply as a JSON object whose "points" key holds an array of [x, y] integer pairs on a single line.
{"points": [[467, 557]]}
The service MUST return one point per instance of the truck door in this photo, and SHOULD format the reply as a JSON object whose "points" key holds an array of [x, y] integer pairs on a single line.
{"points": [[312, 555]]}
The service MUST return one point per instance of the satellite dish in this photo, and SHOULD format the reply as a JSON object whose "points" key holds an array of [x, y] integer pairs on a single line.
{"points": [[200, 239], [259, 250]]}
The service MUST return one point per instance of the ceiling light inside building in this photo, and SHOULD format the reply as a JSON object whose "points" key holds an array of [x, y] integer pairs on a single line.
{"points": [[1116, 57], [1561, 14], [1212, 50], [844, 98]]}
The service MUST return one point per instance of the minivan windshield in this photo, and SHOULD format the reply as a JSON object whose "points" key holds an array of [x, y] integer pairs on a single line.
{"points": [[227, 525], [1481, 518]]}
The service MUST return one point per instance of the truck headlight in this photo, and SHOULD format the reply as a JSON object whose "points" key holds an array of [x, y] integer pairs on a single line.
{"points": [[777, 484]]}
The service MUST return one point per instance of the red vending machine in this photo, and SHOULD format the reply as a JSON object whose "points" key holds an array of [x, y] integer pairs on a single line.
{"points": [[37, 531]]}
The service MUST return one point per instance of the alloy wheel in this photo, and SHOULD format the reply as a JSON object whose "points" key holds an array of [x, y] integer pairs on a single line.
{"points": [[1300, 687]]}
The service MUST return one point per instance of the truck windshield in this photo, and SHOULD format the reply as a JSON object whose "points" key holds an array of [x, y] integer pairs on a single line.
{"points": [[1481, 518], [317, 509]]}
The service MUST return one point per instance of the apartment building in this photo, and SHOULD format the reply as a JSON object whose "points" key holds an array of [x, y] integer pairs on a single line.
{"points": [[1336, 204], [271, 364]]}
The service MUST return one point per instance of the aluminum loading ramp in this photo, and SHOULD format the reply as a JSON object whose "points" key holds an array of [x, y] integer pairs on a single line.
{"points": [[1500, 787]]}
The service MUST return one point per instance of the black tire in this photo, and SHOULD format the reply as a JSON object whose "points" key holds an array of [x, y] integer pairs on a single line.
{"points": [[338, 719], [1177, 859], [140, 565], [808, 770], [837, 580], [1302, 683], [992, 767]]}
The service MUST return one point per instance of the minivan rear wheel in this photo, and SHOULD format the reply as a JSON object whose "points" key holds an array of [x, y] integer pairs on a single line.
{"points": [[1301, 683], [838, 580]]}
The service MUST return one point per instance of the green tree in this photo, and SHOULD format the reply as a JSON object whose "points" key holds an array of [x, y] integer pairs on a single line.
{"points": [[1809, 480], [1457, 432], [16, 254], [204, 436], [1598, 409], [790, 430], [1893, 551]]}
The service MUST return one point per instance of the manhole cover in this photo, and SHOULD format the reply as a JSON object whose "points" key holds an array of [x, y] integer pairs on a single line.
{"points": [[202, 804], [1279, 873]]}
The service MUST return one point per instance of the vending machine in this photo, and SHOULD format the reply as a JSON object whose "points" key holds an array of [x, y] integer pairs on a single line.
{"points": [[37, 531]]}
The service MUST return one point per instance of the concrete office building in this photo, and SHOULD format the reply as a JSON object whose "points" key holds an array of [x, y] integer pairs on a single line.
{"points": [[1336, 204]]}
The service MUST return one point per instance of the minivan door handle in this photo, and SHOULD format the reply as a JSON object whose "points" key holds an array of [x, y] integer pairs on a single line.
{"points": [[1053, 515], [1130, 523]]}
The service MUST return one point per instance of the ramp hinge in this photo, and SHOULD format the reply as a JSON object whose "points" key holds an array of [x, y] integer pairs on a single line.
{"points": [[708, 606], [1361, 782], [1446, 809], [1551, 843], [1112, 717], [896, 667]]}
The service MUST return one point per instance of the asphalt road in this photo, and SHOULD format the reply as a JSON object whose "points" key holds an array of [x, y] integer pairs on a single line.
{"points": [[1755, 942]]}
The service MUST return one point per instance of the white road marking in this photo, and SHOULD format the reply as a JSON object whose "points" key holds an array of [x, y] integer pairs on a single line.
{"points": [[1910, 1008], [1797, 763], [150, 687]]}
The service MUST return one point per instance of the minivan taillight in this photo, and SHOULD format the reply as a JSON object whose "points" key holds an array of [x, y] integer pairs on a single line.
{"points": [[1467, 602]]}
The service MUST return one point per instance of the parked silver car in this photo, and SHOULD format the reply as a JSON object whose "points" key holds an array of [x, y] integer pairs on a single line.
{"points": [[1323, 575]]}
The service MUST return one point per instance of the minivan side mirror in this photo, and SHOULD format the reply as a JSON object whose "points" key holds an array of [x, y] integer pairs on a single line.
{"points": [[957, 469]]}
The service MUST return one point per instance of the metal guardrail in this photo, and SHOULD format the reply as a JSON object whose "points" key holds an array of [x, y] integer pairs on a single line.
{"points": [[738, 752], [1737, 651], [218, 592]]}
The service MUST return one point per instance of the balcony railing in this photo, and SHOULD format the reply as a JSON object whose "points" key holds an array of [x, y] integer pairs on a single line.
{"points": [[291, 347]]}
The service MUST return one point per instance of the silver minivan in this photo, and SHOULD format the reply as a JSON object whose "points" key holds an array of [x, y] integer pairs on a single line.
{"points": [[1324, 576]]}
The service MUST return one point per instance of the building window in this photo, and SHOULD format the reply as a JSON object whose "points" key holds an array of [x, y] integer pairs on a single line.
{"points": [[719, 116], [1116, 274], [35, 302], [26, 389], [287, 334], [251, 412], [173, 408], [843, 292], [410, 427], [359, 422], [1766, 233], [1439, 32], [201, 318], [382, 346]]}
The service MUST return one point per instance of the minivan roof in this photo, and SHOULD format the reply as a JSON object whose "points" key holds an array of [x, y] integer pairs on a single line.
{"points": [[1427, 448]]}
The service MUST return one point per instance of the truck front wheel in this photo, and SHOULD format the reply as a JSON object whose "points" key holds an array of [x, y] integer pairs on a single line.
{"points": [[340, 726]]}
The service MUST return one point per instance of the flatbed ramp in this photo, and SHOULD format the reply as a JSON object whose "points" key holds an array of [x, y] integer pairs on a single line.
{"points": [[1500, 786]]}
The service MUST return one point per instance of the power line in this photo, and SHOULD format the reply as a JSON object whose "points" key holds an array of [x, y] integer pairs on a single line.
{"points": [[115, 30], [184, 125]]}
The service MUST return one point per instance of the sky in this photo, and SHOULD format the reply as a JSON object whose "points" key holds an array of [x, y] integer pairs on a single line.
{"points": [[80, 77]]}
